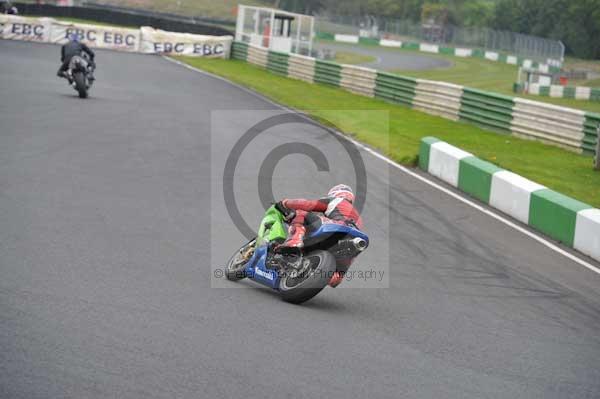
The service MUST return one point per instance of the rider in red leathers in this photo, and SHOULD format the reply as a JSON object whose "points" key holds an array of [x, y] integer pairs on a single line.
{"points": [[301, 214], [337, 207]]}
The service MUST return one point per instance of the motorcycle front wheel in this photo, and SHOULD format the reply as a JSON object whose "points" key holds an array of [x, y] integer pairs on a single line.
{"points": [[235, 267], [301, 285], [80, 85]]}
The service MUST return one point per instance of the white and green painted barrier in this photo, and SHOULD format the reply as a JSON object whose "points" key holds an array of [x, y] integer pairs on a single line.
{"points": [[549, 123], [258, 56], [549, 66], [562, 218], [346, 38], [358, 80], [569, 128], [559, 91], [395, 89], [438, 98], [302, 68], [390, 43]]}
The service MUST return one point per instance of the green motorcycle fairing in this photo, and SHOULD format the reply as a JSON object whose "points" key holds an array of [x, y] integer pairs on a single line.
{"points": [[272, 227]]}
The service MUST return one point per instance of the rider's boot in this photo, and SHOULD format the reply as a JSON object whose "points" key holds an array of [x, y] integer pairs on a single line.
{"points": [[295, 240], [65, 74]]}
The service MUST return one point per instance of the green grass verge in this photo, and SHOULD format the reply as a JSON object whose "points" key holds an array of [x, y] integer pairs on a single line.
{"points": [[347, 57], [473, 72], [558, 169], [588, 83]]}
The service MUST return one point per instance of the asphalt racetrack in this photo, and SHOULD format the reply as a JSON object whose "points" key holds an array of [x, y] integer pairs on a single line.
{"points": [[110, 229], [389, 58]]}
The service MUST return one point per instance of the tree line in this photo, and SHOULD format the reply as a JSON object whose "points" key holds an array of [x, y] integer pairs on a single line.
{"points": [[575, 22]]}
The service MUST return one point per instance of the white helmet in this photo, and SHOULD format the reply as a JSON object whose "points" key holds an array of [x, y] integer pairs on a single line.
{"points": [[341, 191]]}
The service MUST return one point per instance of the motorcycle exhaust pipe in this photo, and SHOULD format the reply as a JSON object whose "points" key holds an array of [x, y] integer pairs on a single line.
{"points": [[350, 247], [359, 244]]}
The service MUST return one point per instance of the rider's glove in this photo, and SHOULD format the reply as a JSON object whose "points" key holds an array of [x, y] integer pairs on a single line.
{"points": [[288, 214]]}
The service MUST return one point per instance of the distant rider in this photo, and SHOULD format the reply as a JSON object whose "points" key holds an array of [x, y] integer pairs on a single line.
{"points": [[70, 49], [337, 207], [6, 7]]}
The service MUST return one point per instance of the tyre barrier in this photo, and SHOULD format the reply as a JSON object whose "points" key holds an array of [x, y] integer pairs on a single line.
{"points": [[438, 98], [358, 80]]}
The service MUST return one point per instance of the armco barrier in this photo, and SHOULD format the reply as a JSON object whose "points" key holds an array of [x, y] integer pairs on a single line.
{"points": [[436, 49], [145, 39], [572, 129], [564, 219]]}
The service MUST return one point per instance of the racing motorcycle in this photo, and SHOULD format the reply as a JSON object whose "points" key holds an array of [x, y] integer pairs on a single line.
{"points": [[80, 75], [301, 275]]}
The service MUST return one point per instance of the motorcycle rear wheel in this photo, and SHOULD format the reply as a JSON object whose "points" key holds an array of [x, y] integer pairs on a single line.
{"points": [[315, 277], [235, 267], [80, 85]]}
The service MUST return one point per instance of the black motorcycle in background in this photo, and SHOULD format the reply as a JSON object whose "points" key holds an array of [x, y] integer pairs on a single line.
{"points": [[80, 74]]}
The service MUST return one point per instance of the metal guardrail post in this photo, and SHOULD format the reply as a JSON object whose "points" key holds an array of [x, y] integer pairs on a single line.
{"points": [[597, 159]]}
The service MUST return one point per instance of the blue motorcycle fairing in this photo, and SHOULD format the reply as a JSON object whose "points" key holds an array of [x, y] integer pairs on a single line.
{"points": [[331, 228], [256, 268]]}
